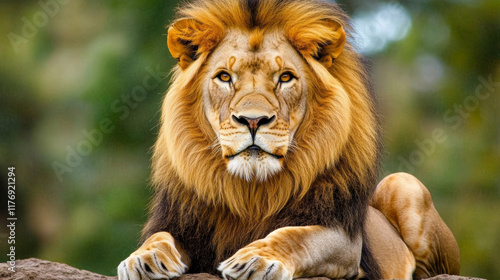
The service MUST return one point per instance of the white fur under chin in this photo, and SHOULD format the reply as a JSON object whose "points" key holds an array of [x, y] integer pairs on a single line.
{"points": [[252, 168]]}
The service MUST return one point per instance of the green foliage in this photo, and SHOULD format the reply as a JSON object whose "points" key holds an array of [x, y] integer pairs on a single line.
{"points": [[67, 90]]}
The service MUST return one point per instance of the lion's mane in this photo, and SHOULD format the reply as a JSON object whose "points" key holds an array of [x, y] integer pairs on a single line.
{"points": [[327, 178]]}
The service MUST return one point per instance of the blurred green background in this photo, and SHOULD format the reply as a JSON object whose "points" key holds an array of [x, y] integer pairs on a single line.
{"points": [[81, 84]]}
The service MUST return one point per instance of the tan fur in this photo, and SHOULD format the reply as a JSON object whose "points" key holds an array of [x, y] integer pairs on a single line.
{"points": [[159, 257], [394, 257], [407, 205], [297, 252]]}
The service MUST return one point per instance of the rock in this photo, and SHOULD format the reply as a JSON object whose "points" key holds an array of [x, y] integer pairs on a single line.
{"points": [[45, 270], [40, 269], [452, 277]]}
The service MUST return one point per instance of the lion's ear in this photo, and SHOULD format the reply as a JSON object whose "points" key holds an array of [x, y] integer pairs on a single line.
{"points": [[188, 38], [322, 40]]}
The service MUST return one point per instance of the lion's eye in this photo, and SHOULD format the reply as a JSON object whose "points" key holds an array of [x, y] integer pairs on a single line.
{"points": [[286, 77], [224, 77]]}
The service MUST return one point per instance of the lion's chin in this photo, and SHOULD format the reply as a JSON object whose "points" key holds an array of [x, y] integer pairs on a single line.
{"points": [[250, 166]]}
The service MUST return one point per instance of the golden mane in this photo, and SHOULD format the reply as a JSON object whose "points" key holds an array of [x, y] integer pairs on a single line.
{"points": [[188, 166]]}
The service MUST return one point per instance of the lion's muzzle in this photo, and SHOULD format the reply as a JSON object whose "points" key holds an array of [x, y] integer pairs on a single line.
{"points": [[254, 140]]}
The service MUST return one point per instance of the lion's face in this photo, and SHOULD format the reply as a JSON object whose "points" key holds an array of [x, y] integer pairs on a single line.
{"points": [[254, 98]]}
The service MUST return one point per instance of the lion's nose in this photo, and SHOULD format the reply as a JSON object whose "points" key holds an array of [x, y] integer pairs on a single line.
{"points": [[253, 123]]}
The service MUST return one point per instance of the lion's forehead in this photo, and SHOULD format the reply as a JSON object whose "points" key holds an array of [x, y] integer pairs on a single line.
{"points": [[239, 52]]}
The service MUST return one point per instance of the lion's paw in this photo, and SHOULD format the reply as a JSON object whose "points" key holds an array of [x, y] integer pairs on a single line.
{"points": [[159, 261], [254, 264]]}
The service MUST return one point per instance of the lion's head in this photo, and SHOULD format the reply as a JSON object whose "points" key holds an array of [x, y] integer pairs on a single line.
{"points": [[267, 95]]}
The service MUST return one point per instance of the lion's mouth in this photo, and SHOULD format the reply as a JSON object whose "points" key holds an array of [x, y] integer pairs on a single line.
{"points": [[254, 150]]}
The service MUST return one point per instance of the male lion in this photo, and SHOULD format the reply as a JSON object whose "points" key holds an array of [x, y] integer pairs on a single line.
{"points": [[266, 160]]}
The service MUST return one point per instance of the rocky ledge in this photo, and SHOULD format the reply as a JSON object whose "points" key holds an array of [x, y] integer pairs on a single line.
{"points": [[39, 269]]}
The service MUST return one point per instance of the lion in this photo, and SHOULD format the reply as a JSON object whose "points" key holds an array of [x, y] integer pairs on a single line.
{"points": [[266, 162]]}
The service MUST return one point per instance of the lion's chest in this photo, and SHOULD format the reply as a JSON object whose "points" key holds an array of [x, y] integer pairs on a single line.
{"points": [[216, 234]]}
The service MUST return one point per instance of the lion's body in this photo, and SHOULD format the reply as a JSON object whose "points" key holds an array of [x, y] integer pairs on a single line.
{"points": [[268, 142], [329, 189]]}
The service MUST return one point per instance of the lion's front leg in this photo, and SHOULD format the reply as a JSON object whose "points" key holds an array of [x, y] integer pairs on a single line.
{"points": [[159, 257], [293, 252]]}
